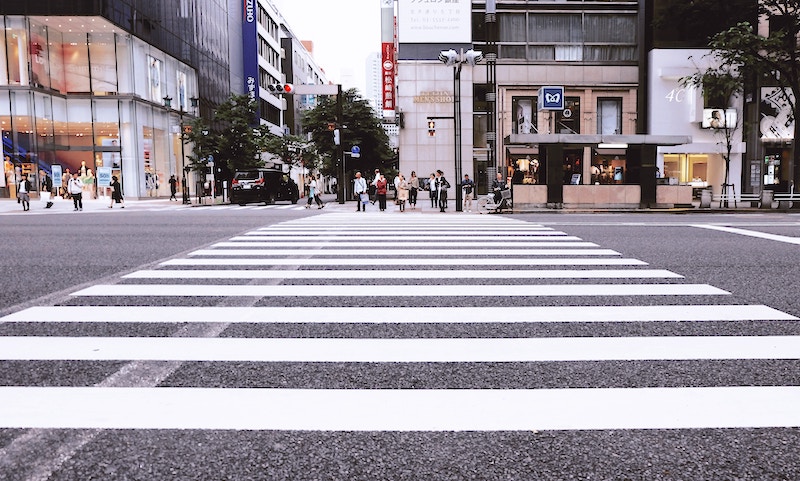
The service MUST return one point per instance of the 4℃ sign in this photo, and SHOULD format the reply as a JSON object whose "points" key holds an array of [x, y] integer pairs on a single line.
{"points": [[551, 98]]}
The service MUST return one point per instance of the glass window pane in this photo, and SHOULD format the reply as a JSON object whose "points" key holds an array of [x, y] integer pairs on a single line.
{"points": [[76, 59], [511, 27], [609, 116], [104, 65]]}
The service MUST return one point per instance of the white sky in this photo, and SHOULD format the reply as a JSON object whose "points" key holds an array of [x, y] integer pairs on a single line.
{"points": [[344, 33]]}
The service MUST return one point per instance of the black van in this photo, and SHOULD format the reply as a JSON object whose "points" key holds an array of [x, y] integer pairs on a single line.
{"points": [[263, 185]]}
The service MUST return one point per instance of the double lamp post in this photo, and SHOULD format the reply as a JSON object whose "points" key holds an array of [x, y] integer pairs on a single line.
{"points": [[457, 59], [184, 168]]}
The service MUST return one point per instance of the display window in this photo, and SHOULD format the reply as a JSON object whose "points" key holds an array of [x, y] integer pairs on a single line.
{"points": [[526, 169], [609, 168], [524, 120], [573, 167]]}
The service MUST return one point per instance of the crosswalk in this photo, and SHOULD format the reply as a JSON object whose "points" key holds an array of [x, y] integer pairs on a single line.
{"points": [[352, 292]]}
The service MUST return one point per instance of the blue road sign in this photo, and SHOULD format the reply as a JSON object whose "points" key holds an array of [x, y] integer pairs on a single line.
{"points": [[551, 98]]}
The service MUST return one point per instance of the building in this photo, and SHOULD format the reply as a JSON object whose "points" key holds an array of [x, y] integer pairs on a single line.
{"points": [[374, 82], [607, 141], [102, 88]]}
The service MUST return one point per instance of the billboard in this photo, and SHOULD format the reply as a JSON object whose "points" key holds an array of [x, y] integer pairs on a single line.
{"points": [[719, 118], [250, 51], [434, 22]]}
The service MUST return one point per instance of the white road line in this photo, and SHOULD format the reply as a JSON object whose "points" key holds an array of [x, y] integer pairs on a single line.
{"points": [[562, 349], [399, 315], [371, 254], [511, 290], [399, 410], [406, 235], [283, 229], [516, 261], [405, 274], [751, 233], [499, 242]]}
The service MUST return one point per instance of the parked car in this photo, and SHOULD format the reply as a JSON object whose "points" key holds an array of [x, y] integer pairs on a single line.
{"points": [[263, 185]]}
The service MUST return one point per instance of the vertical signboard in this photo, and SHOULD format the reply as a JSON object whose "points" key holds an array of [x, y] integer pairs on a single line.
{"points": [[388, 60], [250, 51]]}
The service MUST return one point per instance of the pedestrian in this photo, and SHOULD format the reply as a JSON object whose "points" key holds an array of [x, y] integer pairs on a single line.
{"points": [[46, 189], [413, 187], [116, 193], [313, 194], [441, 190], [75, 189], [498, 186], [381, 188], [373, 186], [360, 192], [402, 192], [468, 186], [432, 189], [65, 178], [318, 191], [173, 187], [24, 192]]}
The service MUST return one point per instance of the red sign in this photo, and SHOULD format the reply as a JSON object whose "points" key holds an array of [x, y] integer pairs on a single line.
{"points": [[388, 73]]}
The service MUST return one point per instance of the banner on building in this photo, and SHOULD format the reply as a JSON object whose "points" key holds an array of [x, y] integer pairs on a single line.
{"points": [[388, 74], [434, 21], [250, 51]]}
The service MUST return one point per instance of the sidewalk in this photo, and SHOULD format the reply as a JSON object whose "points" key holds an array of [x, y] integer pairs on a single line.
{"points": [[89, 205]]}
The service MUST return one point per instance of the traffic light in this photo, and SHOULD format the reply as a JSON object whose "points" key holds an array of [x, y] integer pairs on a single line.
{"points": [[281, 88], [431, 128]]}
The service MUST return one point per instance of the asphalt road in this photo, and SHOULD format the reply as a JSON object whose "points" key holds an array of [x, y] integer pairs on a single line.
{"points": [[50, 257]]}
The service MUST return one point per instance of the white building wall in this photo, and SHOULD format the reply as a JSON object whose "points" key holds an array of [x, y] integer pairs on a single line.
{"points": [[678, 110]]}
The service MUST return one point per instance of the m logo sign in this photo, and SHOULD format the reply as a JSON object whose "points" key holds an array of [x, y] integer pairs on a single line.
{"points": [[551, 98]]}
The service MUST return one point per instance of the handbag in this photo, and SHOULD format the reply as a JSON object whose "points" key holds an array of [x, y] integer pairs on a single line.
{"points": [[364, 197]]}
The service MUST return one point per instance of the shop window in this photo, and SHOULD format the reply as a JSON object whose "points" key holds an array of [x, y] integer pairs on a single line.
{"points": [[76, 60], [104, 62], [609, 116], [526, 169], [573, 167], [17, 53], [568, 121], [691, 169], [609, 168], [524, 121]]}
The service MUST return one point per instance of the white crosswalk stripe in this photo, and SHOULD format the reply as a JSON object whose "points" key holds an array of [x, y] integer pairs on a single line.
{"points": [[317, 271]]}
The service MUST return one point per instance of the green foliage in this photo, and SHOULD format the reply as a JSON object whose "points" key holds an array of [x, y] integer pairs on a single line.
{"points": [[776, 58], [358, 126], [197, 132], [238, 143], [292, 149]]}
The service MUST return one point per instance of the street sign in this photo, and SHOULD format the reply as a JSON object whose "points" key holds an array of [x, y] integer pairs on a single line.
{"points": [[551, 98], [355, 152]]}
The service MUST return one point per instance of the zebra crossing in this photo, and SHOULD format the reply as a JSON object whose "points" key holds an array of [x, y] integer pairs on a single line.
{"points": [[430, 290]]}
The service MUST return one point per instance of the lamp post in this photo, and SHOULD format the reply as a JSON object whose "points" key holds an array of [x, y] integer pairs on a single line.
{"points": [[168, 105], [457, 60]]}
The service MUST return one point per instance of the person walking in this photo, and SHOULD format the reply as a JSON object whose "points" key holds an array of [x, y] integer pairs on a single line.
{"points": [[360, 192], [402, 192], [75, 189], [313, 194], [116, 193], [373, 186], [173, 187], [24, 192], [468, 186], [46, 189], [432, 189], [413, 188], [381, 189], [441, 190], [318, 192]]}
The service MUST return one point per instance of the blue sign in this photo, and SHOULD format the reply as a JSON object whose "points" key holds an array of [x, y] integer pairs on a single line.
{"points": [[356, 149], [250, 53], [103, 176], [551, 98], [56, 172]]}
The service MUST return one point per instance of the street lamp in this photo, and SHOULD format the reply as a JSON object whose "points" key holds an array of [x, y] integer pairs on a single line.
{"points": [[181, 112], [457, 59]]}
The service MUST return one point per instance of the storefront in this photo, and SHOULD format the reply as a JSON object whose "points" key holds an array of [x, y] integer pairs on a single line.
{"points": [[79, 95]]}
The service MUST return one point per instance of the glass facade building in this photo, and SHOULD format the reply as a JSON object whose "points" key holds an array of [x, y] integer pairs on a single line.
{"points": [[83, 87]]}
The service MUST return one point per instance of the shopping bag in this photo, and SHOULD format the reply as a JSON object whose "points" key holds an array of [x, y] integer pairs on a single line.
{"points": [[44, 196]]}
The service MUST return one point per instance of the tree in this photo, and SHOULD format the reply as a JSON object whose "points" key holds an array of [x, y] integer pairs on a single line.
{"points": [[721, 85], [292, 150], [358, 126], [238, 143], [775, 59], [198, 133]]}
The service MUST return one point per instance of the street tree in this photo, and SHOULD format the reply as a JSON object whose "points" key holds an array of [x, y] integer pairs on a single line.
{"points": [[721, 85], [358, 127], [238, 141], [293, 150], [775, 59]]}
